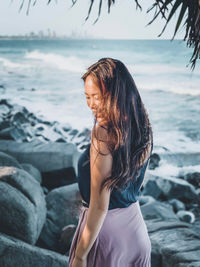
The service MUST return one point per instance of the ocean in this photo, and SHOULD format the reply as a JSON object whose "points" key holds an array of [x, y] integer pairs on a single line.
{"points": [[45, 77]]}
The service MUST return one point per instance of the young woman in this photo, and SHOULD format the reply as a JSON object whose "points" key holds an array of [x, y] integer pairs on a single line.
{"points": [[111, 231]]}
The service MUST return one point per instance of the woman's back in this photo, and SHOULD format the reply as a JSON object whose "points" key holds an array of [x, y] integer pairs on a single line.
{"points": [[119, 198]]}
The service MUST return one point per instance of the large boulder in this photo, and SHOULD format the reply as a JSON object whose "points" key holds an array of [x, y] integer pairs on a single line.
{"points": [[151, 188], [166, 188], [173, 244], [154, 209], [14, 252], [7, 160], [176, 204], [193, 178], [177, 188], [58, 178], [154, 161], [44, 156], [32, 171], [22, 205], [63, 208]]}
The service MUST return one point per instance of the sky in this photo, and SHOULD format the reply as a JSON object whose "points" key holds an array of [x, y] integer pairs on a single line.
{"points": [[123, 22]]}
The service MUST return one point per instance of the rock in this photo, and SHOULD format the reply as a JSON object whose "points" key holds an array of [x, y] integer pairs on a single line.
{"points": [[145, 199], [5, 102], [14, 252], [154, 161], [48, 133], [177, 188], [176, 245], [186, 216], [158, 210], [4, 124], [4, 109], [73, 132], [66, 238], [7, 160], [160, 225], [19, 118], [66, 127], [45, 157], [193, 178], [63, 208], [17, 108], [57, 178], [22, 205], [198, 192], [34, 172], [176, 204], [13, 133], [45, 190], [152, 189], [85, 133]]}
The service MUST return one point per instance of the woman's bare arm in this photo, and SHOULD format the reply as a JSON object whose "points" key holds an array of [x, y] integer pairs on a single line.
{"points": [[100, 167]]}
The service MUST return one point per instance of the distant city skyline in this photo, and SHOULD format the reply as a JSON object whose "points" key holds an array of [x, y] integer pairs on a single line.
{"points": [[123, 22], [48, 33]]}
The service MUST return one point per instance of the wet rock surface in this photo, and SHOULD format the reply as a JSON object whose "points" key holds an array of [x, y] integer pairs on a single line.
{"points": [[22, 205], [16, 252], [63, 208], [17, 123]]}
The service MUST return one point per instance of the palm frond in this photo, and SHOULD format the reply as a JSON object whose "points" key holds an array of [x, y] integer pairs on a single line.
{"points": [[189, 9]]}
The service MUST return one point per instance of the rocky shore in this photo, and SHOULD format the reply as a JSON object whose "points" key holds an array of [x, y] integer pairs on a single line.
{"points": [[40, 200]]}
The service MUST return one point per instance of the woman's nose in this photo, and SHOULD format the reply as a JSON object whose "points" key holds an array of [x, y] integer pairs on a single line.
{"points": [[92, 103]]}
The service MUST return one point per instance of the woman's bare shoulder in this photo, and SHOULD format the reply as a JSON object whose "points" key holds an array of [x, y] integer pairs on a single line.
{"points": [[100, 138]]}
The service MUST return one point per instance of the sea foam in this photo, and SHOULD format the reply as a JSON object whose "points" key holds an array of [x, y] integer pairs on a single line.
{"points": [[72, 63]]}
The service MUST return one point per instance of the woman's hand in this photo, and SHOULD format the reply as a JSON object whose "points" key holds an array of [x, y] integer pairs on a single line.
{"points": [[77, 262]]}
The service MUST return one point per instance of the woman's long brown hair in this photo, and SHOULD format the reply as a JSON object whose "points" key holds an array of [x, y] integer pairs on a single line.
{"points": [[128, 126]]}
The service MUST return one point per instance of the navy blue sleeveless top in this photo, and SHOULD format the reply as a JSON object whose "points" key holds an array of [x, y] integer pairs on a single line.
{"points": [[118, 198]]}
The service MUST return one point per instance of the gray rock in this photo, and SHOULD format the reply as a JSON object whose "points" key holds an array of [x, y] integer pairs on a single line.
{"points": [[22, 205], [49, 134], [7, 160], [4, 109], [187, 264], [32, 171], [45, 190], [158, 210], [160, 225], [177, 188], [13, 133], [151, 188], [145, 199], [193, 178], [63, 208], [5, 102], [154, 161], [14, 252], [176, 204], [175, 246], [66, 127], [58, 178], [186, 216], [4, 124], [66, 238], [19, 118], [45, 157]]}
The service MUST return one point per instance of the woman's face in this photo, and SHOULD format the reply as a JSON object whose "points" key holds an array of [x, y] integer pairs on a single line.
{"points": [[94, 97]]}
